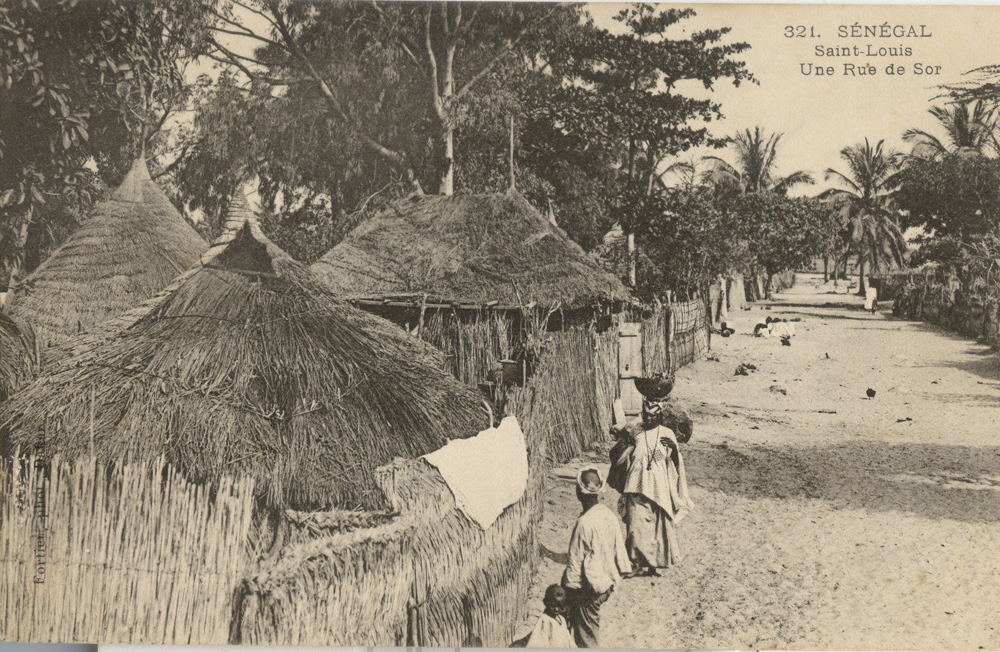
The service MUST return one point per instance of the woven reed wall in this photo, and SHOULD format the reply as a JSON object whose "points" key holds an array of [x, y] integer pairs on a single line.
{"points": [[132, 555], [965, 306], [606, 375], [689, 340], [430, 578], [656, 342], [563, 406], [473, 343]]}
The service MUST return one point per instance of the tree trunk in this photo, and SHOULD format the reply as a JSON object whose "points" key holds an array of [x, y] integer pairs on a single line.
{"points": [[862, 289], [723, 300], [446, 183], [826, 269], [632, 255], [736, 293]]}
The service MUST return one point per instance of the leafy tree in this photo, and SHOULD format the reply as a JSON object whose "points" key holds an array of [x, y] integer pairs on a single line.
{"points": [[951, 195], [686, 246], [82, 82], [622, 92], [394, 78], [969, 127], [869, 215], [782, 233]]}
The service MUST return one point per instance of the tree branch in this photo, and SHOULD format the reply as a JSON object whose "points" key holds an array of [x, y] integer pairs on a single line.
{"points": [[433, 70], [496, 59], [396, 158]]}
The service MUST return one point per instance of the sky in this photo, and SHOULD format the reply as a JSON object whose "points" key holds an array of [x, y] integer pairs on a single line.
{"points": [[820, 115]]}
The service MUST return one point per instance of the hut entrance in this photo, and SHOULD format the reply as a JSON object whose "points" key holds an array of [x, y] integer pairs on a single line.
{"points": [[630, 366]]}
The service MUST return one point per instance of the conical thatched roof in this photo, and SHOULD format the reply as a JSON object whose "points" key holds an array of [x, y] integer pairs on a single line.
{"points": [[130, 248], [16, 356], [470, 249], [247, 364]]}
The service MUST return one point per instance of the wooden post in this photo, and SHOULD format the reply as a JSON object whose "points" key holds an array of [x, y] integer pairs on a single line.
{"points": [[423, 309]]}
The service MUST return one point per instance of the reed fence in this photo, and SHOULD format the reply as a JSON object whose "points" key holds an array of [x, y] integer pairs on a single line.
{"points": [[967, 305], [564, 407], [135, 554], [688, 332], [431, 577]]}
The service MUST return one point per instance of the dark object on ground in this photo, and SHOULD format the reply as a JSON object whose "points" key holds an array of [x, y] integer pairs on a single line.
{"points": [[655, 388], [786, 341], [903, 420], [870, 393], [725, 333], [744, 369], [725, 330]]}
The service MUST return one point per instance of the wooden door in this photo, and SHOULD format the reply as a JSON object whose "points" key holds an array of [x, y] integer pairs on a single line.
{"points": [[629, 367]]}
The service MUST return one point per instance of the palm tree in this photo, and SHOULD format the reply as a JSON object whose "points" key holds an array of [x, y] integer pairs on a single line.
{"points": [[755, 165], [870, 219], [969, 127], [755, 171]]}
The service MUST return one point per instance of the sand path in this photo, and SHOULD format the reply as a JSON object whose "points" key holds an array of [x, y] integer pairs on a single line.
{"points": [[824, 519]]}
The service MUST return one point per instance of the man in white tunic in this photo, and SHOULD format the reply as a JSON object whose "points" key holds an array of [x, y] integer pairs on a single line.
{"points": [[597, 559]]}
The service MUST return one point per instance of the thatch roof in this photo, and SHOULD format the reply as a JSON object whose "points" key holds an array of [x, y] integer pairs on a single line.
{"points": [[17, 352], [468, 249], [247, 364], [131, 247]]}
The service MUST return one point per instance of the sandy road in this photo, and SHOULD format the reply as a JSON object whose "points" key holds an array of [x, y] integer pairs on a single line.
{"points": [[824, 519]]}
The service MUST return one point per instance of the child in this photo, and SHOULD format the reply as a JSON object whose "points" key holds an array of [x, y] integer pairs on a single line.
{"points": [[551, 630]]}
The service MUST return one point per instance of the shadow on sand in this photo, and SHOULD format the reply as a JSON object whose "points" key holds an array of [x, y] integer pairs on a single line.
{"points": [[932, 481]]}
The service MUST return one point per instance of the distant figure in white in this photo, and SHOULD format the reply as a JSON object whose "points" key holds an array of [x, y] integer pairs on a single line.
{"points": [[871, 299]]}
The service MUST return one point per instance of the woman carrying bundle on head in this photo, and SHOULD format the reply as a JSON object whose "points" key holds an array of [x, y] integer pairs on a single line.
{"points": [[648, 470]]}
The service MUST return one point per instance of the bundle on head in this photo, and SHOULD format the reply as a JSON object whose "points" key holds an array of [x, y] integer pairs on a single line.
{"points": [[248, 366]]}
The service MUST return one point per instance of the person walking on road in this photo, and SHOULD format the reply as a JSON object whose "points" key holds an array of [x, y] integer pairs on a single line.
{"points": [[650, 475], [597, 559]]}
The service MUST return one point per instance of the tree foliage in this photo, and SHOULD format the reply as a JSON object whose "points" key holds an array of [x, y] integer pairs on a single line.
{"points": [[623, 92], [869, 213], [90, 81], [952, 195], [755, 169]]}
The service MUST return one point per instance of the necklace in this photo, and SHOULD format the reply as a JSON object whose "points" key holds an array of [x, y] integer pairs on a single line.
{"points": [[650, 452]]}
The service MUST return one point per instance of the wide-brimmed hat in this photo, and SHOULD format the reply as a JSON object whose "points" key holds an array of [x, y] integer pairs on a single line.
{"points": [[590, 487]]}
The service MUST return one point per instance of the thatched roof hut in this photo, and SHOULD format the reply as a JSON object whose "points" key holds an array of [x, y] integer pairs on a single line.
{"points": [[130, 248], [467, 249], [17, 355], [247, 364]]}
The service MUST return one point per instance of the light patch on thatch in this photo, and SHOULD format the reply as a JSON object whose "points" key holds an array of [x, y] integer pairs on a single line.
{"points": [[248, 365], [129, 248], [17, 356], [472, 249]]}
